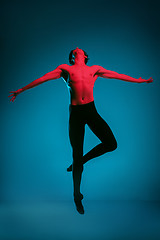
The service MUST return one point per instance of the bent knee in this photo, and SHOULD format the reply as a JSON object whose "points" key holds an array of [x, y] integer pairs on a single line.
{"points": [[114, 146], [111, 146]]}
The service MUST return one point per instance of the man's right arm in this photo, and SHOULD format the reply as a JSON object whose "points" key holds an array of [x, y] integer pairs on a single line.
{"points": [[55, 74]]}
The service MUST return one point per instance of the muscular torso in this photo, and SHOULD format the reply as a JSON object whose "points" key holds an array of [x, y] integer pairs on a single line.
{"points": [[80, 81]]}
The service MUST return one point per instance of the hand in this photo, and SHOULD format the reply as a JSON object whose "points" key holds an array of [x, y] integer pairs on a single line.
{"points": [[14, 94], [144, 80], [149, 80]]}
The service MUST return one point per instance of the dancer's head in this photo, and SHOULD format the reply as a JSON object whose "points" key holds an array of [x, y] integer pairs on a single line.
{"points": [[78, 53]]}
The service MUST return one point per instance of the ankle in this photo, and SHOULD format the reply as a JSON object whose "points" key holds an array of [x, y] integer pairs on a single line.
{"points": [[78, 196]]}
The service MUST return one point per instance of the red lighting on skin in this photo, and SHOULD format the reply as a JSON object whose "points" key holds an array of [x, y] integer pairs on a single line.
{"points": [[81, 79]]}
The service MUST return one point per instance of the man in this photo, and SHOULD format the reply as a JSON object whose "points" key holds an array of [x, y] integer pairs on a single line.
{"points": [[80, 80]]}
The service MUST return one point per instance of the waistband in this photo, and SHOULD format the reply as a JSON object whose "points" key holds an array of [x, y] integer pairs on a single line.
{"points": [[82, 105]]}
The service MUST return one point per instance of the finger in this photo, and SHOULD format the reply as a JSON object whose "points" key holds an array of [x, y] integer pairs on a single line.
{"points": [[11, 95], [12, 99], [12, 92], [150, 81]]}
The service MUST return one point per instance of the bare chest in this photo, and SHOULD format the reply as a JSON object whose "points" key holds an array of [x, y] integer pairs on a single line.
{"points": [[81, 75]]}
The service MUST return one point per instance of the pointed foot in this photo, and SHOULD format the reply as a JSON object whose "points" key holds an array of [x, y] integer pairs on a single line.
{"points": [[79, 206], [78, 202]]}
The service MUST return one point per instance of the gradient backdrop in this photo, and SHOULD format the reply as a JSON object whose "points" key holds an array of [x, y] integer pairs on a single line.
{"points": [[37, 36]]}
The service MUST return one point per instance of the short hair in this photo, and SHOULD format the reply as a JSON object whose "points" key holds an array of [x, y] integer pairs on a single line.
{"points": [[71, 58]]}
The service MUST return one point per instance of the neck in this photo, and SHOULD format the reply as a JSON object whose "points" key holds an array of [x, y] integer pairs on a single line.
{"points": [[79, 61]]}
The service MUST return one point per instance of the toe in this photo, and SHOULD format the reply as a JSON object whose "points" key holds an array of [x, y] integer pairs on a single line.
{"points": [[79, 206]]}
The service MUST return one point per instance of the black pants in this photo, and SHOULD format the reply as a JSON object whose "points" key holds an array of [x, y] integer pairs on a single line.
{"points": [[79, 116]]}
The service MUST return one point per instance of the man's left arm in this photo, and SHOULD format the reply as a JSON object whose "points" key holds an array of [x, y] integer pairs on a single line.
{"points": [[102, 72]]}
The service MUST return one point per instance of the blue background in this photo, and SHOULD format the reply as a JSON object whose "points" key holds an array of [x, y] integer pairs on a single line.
{"points": [[37, 36]]}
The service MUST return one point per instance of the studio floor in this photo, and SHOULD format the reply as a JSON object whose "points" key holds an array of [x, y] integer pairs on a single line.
{"points": [[103, 220]]}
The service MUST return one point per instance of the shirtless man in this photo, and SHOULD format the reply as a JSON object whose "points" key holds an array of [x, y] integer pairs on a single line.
{"points": [[80, 80]]}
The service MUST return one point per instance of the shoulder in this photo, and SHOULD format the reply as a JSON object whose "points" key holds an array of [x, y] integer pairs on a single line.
{"points": [[64, 67], [97, 68]]}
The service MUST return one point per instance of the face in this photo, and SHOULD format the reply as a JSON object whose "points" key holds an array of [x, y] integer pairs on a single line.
{"points": [[78, 51]]}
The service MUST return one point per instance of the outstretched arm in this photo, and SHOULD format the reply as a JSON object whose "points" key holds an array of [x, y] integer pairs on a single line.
{"points": [[102, 72], [48, 76]]}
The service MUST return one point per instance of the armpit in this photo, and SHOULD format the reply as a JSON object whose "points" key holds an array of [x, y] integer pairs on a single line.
{"points": [[64, 75]]}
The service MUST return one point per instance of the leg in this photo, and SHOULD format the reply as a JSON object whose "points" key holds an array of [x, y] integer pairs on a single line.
{"points": [[101, 129], [76, 134]]}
